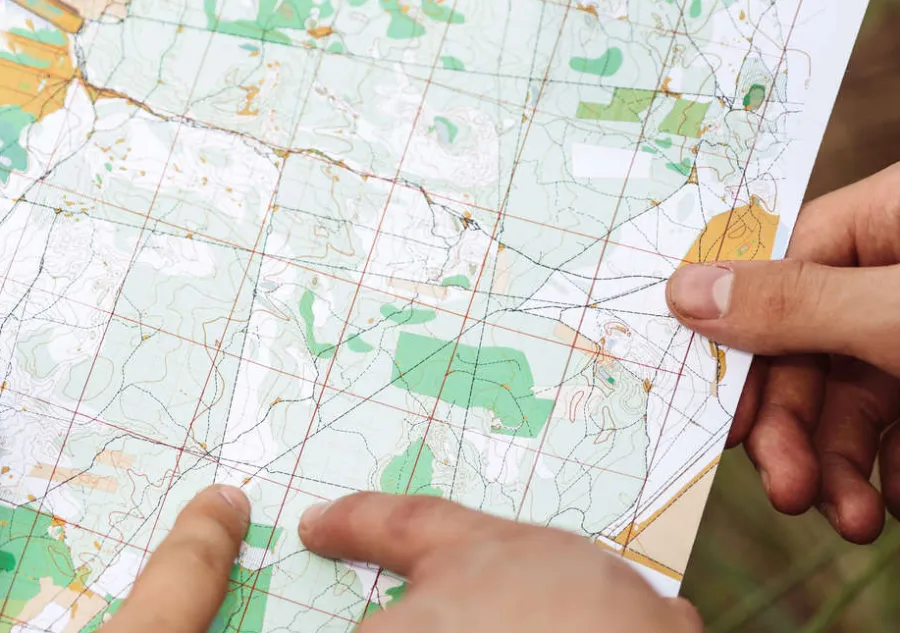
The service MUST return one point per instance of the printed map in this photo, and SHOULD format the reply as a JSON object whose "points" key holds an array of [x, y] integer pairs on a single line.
{"points": [[312, 247]]}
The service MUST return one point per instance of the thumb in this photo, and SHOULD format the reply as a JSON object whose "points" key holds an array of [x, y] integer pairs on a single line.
{"points": [[792, 307]]}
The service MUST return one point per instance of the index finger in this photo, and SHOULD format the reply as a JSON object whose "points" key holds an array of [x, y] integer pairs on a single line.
{"points": [[396, 532], [185, 581]]}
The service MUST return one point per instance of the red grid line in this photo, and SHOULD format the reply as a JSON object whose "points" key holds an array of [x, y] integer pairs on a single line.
{"points": [[288, 374], [17, 570], [146, 552], [586, 350], [343, 334], [629, 537], [269, 210], [240, 467], [443, 310], [363, 176], [202, 455], [465, 317], [500, 215], [105, 331], [546, 430]]}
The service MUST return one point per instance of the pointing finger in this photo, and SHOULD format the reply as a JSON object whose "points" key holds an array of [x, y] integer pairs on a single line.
{"points": [[186, 579], [393, 531]]}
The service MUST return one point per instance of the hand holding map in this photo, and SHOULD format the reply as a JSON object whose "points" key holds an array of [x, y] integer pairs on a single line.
{"points": [[804, 418]]}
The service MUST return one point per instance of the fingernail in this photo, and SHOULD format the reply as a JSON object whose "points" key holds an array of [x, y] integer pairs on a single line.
{"points": [[312, 514], [236, 499], [832, 515], [701, 291], [766, 482]]}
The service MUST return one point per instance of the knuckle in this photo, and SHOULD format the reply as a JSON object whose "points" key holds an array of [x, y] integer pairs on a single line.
{"points": [[789, 297], [783, 301]]}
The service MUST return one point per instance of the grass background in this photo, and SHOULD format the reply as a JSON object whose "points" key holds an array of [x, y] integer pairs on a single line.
{"points": [[754, 570]]}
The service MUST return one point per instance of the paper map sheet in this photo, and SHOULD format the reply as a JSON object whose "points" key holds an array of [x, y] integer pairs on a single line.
{"points": [[311, 247]]}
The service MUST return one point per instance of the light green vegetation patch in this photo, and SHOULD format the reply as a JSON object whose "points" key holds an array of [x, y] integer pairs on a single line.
{"points": [[13, 157], [452, 63], [52, 37], [325, 350], [394, 594], [441, 12], [445, 129], [696, 8], [271, 16], [410, 316], [626, 106], [244, 608], [411, 472], [607, 65], [30, 550], [97, 621], [500, 381], [30, 553], [684, 167], [456, 281]]}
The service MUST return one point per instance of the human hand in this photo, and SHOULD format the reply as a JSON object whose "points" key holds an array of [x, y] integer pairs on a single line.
{"points": [[815, 418], [470, 572], [185, 580]]}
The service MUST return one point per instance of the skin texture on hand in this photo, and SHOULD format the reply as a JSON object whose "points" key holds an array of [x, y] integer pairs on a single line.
{"points": [[822, 401], [467, 571], [470, 572]]}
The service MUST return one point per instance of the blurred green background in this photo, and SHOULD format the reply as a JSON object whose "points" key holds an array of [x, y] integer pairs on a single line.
{"points": [[752, 569]]}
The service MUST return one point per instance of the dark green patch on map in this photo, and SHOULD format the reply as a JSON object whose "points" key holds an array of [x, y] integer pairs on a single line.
{"points": [[395, 594], [13, 121], [271, 16], [411, 472], [755, 97], [500, 381], [410, 316], [325, 350], [456, 281], [244, 608], [684, 167]]}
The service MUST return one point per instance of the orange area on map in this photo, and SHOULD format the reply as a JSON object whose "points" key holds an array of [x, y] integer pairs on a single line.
{"points": [[320, 31], [83, 605], [116, 459], [744, 234], [588, 8], [37, 91], [248, 109], [39, 87], [95, 9], [60, 14], [74, 478]]}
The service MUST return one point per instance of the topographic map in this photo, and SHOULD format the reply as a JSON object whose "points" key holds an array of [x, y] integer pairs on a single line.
{"points": [[312, 247]]}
